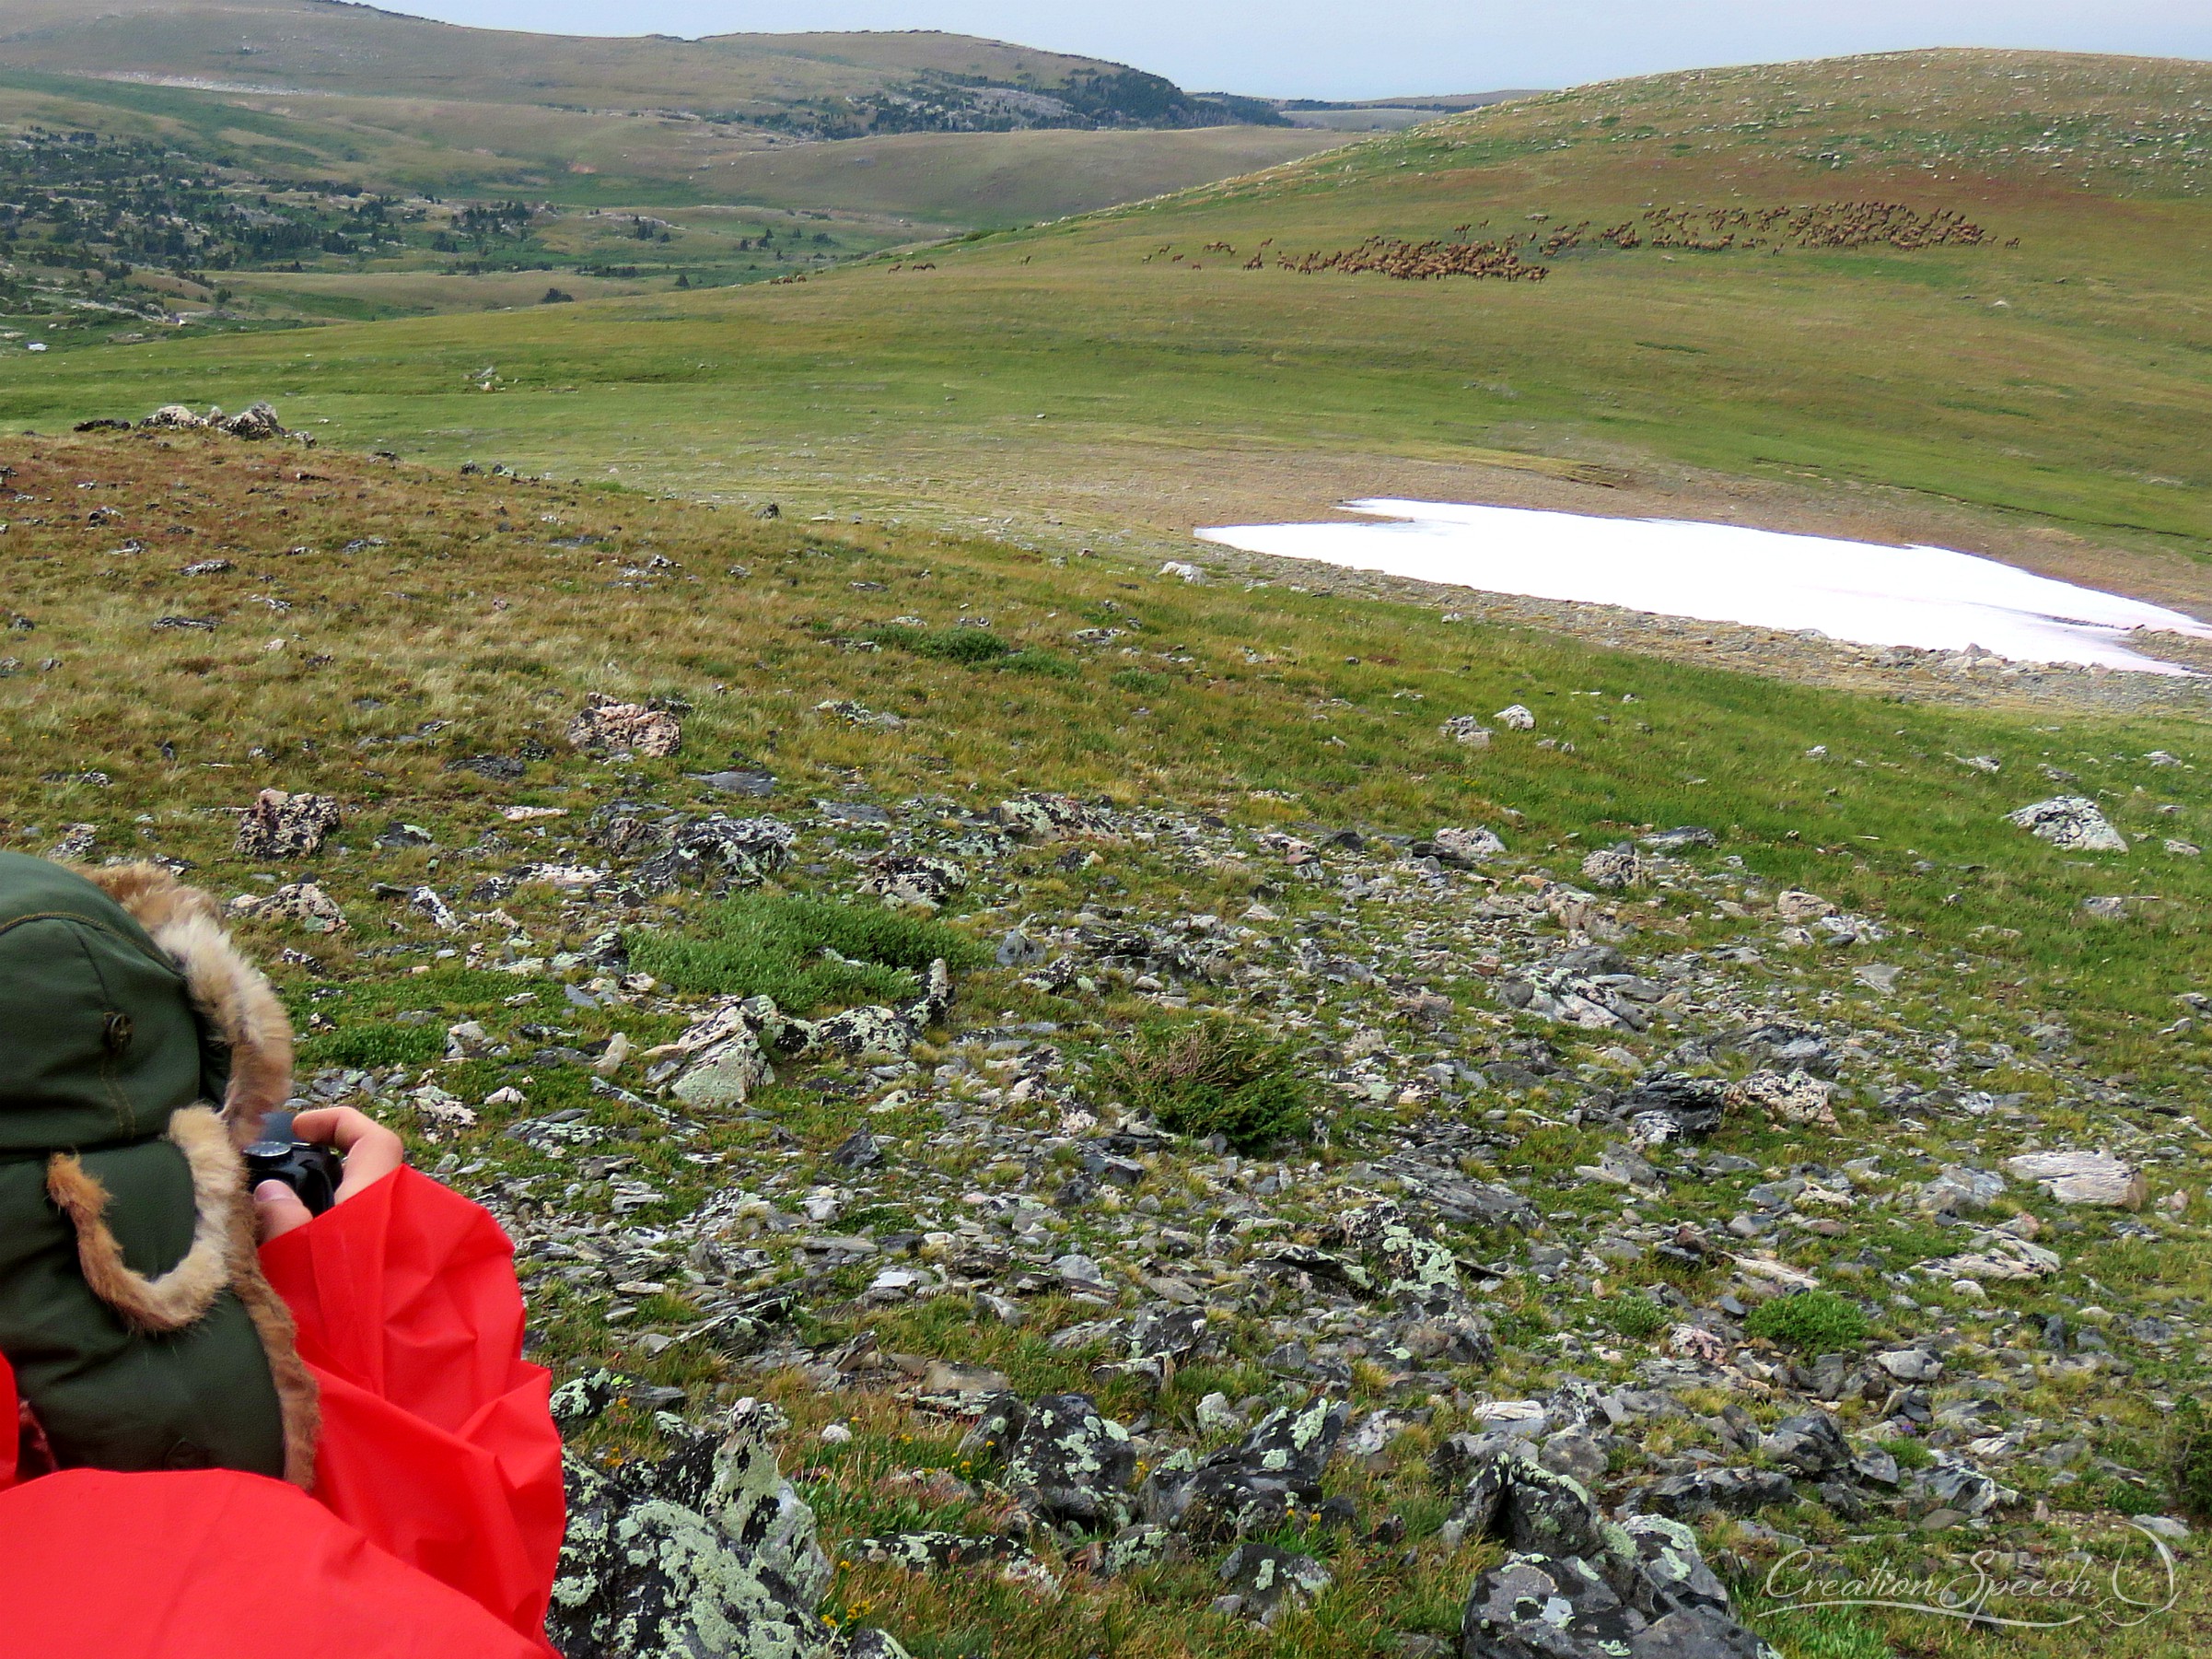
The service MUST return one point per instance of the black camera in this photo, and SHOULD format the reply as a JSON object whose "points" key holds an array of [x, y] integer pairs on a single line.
{"points": [[310, 1171]]}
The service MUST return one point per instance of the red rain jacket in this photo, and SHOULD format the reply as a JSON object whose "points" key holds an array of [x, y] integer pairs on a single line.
{"points": [[437, 1516]]}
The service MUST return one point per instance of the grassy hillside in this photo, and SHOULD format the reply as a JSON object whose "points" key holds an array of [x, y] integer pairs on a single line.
{"points": [[2038, 387], [996, 180], [189, 203], [829, 85], [191, 619]]}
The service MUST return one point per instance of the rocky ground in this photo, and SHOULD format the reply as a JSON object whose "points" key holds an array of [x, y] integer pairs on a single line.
{"points": [[1566, 1158], [1625, 1239]]}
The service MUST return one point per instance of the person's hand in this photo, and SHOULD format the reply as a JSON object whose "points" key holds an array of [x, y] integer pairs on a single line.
{"points": [[371, 1152]]}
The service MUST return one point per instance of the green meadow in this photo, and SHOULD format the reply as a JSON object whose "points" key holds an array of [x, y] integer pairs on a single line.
{"points": [[2061, 382]]}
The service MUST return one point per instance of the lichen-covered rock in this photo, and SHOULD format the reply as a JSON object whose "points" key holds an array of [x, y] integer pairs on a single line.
{"points": [[1269, 1581], [625, 728], [1420, 1276], [1248, 1488], [1541, 1607], [727, 1048], [1063, 1462], [726, 1078], [1168, 1333], [1956, 1484], [1133, 1547], [1470, 845], [253, 423], [2071, 822], [1048, 817], [913, 878], [301, 902], [1811, 1446], [174, 418], [1673, 1106], [1510, 1495], [1707, 1491], [1589, 987], [1579, 1586], [1615, 868], [1466, 729], [705, 1554], [1785, 1096], [730, 852], [278, 825]]}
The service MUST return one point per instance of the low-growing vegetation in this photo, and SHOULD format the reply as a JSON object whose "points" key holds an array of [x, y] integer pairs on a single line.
{"points": [[805, 953], [1211, 1078]]}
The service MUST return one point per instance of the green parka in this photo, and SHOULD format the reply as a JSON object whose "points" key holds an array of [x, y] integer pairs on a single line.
{"points": [[138, 1052]]}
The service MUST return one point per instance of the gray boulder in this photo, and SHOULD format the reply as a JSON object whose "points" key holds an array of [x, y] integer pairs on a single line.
{"points": [[1251, 1486], [2072, 823], [1811, 1446], [1064, 1463], [1673, 1106], [1268, 1581], [278, 825], [1578, 1586], [1728, 1491]]}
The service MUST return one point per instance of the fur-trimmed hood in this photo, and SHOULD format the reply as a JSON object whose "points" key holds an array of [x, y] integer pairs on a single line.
{"points": [[229, 993], [132, 1020]]}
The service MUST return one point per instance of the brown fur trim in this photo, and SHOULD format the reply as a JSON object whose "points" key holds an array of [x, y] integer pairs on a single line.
{"points": [[180, 1295], [297, 1397], [230, 992]]}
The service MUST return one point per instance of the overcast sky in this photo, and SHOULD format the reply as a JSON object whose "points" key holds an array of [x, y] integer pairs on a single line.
{"points": [[1329, 48]]}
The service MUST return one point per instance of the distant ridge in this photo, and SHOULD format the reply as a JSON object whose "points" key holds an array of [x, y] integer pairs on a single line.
{"points": [[806, 86]]}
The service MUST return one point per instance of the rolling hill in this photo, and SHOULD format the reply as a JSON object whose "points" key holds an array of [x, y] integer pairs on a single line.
{"points": [[814, 85], [2033, 382], [265, 123]]}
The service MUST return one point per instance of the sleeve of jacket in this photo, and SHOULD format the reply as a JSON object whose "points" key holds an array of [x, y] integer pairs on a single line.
{"points": [[437, 1444]]}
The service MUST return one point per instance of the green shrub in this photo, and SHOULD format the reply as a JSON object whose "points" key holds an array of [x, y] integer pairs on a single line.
{"points": [[2189, 1458], [1812, 1322], [1910, 1453], [804, 952], [2125, 1498], [371, 1046], [1050, 664], [1636, 1318], [1212, 1077], [947, 645]]}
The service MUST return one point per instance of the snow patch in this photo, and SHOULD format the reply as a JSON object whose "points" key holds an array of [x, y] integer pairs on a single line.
{"points": [[1932, 597]]}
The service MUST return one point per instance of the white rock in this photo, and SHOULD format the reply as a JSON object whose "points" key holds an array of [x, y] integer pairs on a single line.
{"points": [[1795, 904], [1515, 717], [618, 1050], [2082, 1178], [1910, 1364]]}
